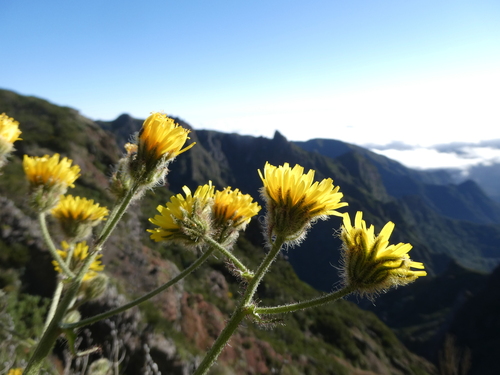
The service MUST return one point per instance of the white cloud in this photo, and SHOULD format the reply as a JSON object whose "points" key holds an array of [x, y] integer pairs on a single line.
{"points": [[429, 158]]}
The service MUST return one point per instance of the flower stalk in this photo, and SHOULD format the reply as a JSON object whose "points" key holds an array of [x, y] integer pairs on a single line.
{"points": [[53, 330], [292, 307], [245, 307], [53, 304], [52, 248], [229, 255]]}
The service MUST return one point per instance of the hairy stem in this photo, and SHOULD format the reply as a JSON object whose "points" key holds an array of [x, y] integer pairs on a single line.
{"points": [[227, 254], [50, 335], [52, 247], [219, 344], [53, 304], [262, 270], [114, 218], [306, 304], [244, 308]]}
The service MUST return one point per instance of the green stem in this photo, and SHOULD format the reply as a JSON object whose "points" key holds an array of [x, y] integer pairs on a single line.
{"points": [[115, 217], [52, 247], [227, 254], [145, 297], [244, 308], [58, 291], [219, 344], [306, 304], [50, 335], [262, 270], [112, 214], [53, 304]]}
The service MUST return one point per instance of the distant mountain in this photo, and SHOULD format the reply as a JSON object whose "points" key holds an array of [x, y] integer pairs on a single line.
{"points": [[485, 175], [464, 201], [390, 169]]}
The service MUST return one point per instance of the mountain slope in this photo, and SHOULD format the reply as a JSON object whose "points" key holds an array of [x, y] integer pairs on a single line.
{"points": [[179, 325], [465, 201]]}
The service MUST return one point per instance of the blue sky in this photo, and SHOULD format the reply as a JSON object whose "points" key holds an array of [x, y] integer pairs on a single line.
{"points": [[367, 72]]}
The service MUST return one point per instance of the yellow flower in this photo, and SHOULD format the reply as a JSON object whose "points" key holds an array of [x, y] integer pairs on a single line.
{"points": [[81, 209], [231, 212], [78, 215], [232, 205], [294, 200], [9, 133], [9, 129], [49, 178], [161, 137], [80, 253], [159, 141], [47, 170], [15, 371], [371, 264], [182, 214]]}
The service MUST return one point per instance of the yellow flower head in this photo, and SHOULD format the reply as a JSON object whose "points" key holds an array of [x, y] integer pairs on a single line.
{"points": [[231, 212], [78, 256], [161, 137], [371, 264], [234, 206], [50, 171], [78, 215], [9, 133], [49, 178], [9, 129], [15, 371], [183, 214], [159, 141], [294, 200], [81, 209]]}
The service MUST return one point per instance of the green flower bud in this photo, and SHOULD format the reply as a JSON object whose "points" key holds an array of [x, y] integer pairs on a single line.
{"points": [[73, 316], [95, 287], [100, 367]]}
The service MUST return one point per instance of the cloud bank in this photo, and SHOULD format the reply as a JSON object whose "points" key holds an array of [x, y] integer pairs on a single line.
{"points": [[456, 155]]}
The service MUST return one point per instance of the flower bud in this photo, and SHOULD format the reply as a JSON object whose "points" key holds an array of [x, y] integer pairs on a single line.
{"points": [[94, 287], [72, 316], [121, 181], [102, 366], [231, 212]]}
